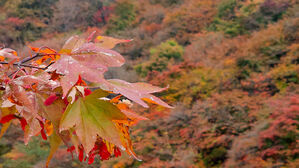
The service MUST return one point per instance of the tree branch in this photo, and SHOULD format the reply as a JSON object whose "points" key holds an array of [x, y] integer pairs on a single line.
{"points": [[35, 56], [29, 66], [29, 58]]}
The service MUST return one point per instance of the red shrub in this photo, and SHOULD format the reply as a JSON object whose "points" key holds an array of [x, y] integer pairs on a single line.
{"points": [[280, 139], [14, 21]]}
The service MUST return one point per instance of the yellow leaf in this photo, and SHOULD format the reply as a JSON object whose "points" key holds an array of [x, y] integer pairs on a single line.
{"points": [[55, 142], [91, 117], [108, 42], [49, 127], [4, 128], [125, 139], [4, 112]]}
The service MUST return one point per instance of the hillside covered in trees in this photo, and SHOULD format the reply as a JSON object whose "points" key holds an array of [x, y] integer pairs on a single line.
{"points": [[231, 68]]}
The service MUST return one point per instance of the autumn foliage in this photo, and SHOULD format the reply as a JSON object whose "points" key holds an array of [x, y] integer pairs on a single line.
{"points": [[62, 96], [231, 69]]}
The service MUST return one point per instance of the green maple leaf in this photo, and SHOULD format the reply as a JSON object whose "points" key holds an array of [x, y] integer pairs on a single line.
{"points": [[91, 117], [55, 142]]}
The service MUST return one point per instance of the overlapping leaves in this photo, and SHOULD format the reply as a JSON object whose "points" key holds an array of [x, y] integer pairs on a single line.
{"points": [[80, 57], [92, 117], [58, 103]]}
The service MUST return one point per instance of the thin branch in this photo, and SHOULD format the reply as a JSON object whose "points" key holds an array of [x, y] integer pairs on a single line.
{"points": [[29, 66], [35, 56], [48, 66], [21, 64], [29, 58], [13, 73]]}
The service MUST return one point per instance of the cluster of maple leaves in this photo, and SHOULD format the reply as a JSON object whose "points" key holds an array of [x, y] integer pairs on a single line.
{"points": [[62, 96]]}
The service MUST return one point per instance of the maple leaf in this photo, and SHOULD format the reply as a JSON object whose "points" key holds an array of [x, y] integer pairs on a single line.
{"points": [[71, 44], [17, 92], [71, 69], [32, 128], [137, 92], [6, 112], [94, 55], [47, 53], [105, 41], [89, 120], [92, 117], [108, 42], [55, 142], [48, 127], [86, 60], [22, 93], [8, 53], [126, 140], [134, 118], [52, 112]]}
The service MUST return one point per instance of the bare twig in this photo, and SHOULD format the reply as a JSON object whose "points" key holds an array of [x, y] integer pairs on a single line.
{"points": [[29, 58], [35, 56], [29, 66], [21, 64], [25, 65]]}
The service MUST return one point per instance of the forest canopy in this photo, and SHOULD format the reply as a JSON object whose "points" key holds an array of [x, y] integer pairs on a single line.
{"points": [[230, 68]]}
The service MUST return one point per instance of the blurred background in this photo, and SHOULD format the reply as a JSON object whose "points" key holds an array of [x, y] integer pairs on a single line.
{"points": [[231, 67]]}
